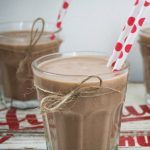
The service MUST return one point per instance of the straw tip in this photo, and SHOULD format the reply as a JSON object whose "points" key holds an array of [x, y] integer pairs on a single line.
{"points": [[109, 63], [115, 70]]}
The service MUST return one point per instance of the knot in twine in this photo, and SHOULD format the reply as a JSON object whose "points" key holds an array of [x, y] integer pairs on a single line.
{"points": [[24, 69], [57, 101]]}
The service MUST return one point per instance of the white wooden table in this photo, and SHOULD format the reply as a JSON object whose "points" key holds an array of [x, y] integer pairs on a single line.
{"points": [[23, 129]]}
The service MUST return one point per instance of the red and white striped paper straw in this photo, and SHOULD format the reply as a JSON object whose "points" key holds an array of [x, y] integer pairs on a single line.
{"points": [[61, 15], [132, 36], [126, 30]]}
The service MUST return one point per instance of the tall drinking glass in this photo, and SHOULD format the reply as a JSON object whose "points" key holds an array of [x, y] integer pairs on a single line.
{"points": [[145, 51], [81, 100], [19, 46]]}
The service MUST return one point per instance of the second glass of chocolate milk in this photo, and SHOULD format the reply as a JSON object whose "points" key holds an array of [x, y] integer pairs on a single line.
{"points": [[16, 56], [81, 100], [145, 51]]}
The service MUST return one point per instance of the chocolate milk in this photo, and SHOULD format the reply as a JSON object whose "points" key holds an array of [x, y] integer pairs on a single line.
{"points": [[17, 84], [90, 122], [145, 51]]}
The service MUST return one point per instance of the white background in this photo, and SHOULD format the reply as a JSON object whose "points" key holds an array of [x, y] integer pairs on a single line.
{"points": [[89, 24]]}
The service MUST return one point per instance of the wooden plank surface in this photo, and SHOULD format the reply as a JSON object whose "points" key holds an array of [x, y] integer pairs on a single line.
{"points": [[23, 129]]}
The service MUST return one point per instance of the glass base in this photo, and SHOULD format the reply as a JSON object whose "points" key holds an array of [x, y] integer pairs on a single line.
{"points": [[50, 148], [148, 99], [116, 148], [19, 103]]}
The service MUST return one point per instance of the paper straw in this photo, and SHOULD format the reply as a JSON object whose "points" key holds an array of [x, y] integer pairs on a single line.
{"points": [[126, 30], [132, 36], [61, 15]]}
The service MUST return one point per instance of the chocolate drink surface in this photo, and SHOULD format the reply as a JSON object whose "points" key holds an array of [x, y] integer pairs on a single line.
{"points": [[89, 122], [16, 73], [145, 51]]}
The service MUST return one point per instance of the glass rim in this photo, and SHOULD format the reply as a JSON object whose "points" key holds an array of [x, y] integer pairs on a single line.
{"points": [[52, 24], [75, 53]]}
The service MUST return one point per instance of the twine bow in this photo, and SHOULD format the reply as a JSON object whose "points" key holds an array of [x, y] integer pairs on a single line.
{"points": [[56, 101], [24, 68]]}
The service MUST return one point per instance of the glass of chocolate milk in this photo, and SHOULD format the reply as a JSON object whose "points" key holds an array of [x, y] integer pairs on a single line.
{"points": [[145, 51], [17, 51], [81, 100]]}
